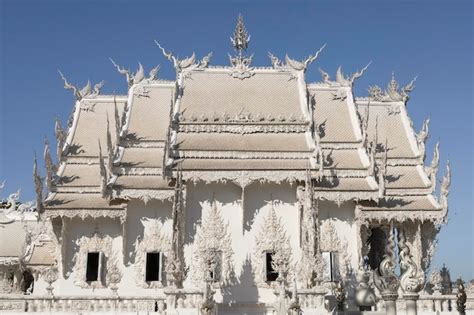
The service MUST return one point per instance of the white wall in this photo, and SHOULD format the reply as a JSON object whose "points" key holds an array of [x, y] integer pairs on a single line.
{"points": [[243, 225]]}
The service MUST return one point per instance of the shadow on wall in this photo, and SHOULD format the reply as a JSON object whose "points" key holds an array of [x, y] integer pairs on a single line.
{"points": [[139, 213], [244, 289], [259, 195], [201, 195], [87, 227]]}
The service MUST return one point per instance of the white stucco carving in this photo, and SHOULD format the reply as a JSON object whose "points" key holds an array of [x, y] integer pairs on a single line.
{"points": [[271, 237], [213, 252], [154, 240]]}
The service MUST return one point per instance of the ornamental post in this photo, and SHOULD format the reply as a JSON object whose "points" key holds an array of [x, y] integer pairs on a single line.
{"points": [[412, 278], [385, 278]]}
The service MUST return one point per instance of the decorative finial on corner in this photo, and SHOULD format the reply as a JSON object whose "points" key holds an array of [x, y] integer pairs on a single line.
{"points": [[240, 39]]}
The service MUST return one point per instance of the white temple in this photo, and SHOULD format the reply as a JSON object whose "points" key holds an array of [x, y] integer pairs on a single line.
{"points": [[231, 190]]}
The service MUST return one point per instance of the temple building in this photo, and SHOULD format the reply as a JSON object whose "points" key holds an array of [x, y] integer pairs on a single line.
{"points": [[233, 189]]}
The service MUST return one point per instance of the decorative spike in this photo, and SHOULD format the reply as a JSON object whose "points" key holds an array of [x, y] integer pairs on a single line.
{"points": [[407, 89], [240, 39], [433, 168], [103, 172], [139, 75], [118, 125], [97, 88], [445, 185], [86, 90], [60, 138], [49, 165], [124, 72], [382, 171], [69, 86], [38, 186], [153, 75], [421, 138], [110, 149]]}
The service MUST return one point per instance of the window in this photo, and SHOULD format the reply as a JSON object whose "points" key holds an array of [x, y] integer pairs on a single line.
{"points": [[93, 266], [331, 271], [152, 270], [270, 273], [214, 265]]}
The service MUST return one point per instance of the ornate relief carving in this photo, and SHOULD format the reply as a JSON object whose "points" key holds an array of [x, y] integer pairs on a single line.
{"points": [[241, 67], [243, 117], [271, 237], [436, 281], [243, 129], [429, 243], [385, 278], [411, 279], [154, 240], [213, 250], [95, 243], [330, 242], [244, 176], [144, 195]]}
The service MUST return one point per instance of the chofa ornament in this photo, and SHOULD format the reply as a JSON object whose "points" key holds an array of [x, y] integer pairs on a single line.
{"points": [[393, 93]]}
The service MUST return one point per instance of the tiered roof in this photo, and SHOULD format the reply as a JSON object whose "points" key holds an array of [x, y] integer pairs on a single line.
{"points": [[243, 124]]}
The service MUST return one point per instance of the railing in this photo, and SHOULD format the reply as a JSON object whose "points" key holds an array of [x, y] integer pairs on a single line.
{"points": [[192, 299], [181, 299]]}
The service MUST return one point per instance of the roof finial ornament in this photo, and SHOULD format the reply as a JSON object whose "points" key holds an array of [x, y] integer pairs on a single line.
{"points": [[188, 62], [85, 91], [240, 39], [393, 92], [132, 78]]}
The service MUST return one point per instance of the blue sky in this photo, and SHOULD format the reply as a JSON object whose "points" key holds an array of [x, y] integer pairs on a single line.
{"points": [[428, 39]]}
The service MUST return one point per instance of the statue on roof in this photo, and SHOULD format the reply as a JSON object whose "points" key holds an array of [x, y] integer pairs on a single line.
{"points": [[86, 91], [393, 93]]}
